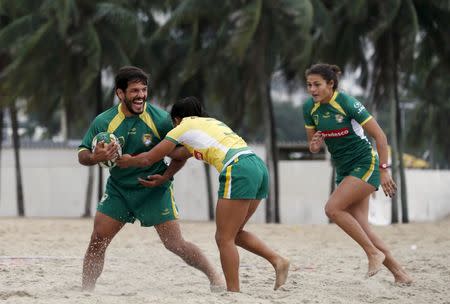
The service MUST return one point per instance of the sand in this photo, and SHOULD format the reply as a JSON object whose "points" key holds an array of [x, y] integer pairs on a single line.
{"points": [[41, 259]]}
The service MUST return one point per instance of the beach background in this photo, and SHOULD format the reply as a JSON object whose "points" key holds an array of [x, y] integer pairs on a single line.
{"points": [[41, 262]]}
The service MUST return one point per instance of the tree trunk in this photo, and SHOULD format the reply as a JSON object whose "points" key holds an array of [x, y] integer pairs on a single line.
{"points": [[64, 122], [209, 192], [394, 132], [272, 206], [16, 144], [1, 146], [399, 129], [89, 190], [99, 108]]}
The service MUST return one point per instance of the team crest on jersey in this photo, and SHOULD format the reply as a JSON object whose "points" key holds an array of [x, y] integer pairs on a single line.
{"points": [[147, 139], [198, 155], [339, 118], [326, 115], [316, 119]]}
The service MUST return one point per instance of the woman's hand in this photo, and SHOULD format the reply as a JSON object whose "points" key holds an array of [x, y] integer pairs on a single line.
{"points": [[124, 161], [153, 180], [316, 142], [388, 185]]}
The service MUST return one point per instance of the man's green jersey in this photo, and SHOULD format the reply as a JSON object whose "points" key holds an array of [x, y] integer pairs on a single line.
{"points": [[136, 134], [340, 121]]}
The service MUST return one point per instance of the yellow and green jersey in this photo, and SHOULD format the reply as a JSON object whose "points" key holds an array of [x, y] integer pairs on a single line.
{"points": [[209, 140], [340, 121], [136, 134]]}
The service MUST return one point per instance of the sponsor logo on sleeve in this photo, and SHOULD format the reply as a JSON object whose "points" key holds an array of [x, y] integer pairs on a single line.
{"points": [[336, 133], [198, 155]]}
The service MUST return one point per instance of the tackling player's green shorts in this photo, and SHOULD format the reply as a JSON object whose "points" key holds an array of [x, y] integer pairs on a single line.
{"points": [[366, 169], [245, 178], [151, 206]]}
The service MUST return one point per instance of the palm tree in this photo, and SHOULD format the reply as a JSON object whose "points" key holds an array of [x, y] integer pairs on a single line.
{"points": [[429, 83], [77, 39], [242, 45]]}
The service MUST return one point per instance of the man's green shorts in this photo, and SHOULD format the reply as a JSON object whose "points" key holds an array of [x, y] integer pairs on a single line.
{"points": [[245, 178], [366, 168], [151, 206]]}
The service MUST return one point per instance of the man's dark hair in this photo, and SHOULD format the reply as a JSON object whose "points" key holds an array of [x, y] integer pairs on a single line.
{"points": [[189, 106], [129, 74]]}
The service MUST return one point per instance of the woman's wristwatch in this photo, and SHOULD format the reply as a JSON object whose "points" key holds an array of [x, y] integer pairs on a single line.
{"points": [[384, 166]]}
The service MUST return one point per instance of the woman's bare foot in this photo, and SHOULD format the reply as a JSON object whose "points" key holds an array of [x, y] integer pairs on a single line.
{"points": [[403, 278], [375, 263], [281, 272]]}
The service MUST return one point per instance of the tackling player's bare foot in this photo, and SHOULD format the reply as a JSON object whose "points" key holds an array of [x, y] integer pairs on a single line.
{"points": [[403, 278], [281, 272], [375, 263]]}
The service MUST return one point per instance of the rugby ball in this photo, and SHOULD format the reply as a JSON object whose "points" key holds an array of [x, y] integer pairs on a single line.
{"points": [[107, 138]]}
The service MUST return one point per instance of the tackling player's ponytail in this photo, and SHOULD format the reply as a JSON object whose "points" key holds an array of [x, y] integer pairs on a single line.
{"points": [[189, 106], [326, 71]]}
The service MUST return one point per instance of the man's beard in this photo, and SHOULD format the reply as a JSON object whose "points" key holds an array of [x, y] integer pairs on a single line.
{"points": [[129, 104]]}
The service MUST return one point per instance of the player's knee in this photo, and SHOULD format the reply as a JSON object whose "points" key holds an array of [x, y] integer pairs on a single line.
{"points": [[99, 240], [222, 240], [331, 211], [175, 246]]}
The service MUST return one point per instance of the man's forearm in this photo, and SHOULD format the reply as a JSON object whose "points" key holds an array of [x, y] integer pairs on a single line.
{"points": [[86, 158]]}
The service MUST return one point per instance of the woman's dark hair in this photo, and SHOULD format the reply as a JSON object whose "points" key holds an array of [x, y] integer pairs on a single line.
{"points": [[327, 71], [128, 74], [189, 106]]}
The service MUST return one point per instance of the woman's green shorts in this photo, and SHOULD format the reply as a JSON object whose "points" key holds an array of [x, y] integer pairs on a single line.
{"points": [[245, 178], [366, 169]]}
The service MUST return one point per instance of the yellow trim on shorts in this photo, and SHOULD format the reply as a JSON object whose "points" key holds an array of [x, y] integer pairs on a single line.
{"points": [[369, 172], [145, 116], [172, 198], [364, 122], [227, 187], [117, 120], [310, 127]]}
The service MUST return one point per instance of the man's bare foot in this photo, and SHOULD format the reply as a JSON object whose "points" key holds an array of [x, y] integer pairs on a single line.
{"points": [[217, 283], [375, 263], [281, 272]]}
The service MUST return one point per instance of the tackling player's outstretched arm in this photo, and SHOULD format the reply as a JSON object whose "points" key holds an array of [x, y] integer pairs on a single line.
{"points": [[179, 157], [146, 159]]}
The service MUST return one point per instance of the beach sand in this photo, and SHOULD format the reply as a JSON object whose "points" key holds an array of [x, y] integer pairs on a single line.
{"points": [[41, 260]]}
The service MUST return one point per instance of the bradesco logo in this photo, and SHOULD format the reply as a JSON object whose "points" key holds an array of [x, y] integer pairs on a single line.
{"points": [[198, 155], [336, 133]]}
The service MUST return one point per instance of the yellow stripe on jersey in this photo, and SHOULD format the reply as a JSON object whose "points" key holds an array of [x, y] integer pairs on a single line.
{"points": [[207, 139], [367, 119], [316, 106], [227, 190], [145, 116], [369, 172], [310, 127], [117, 120], [335, 105], [82, 149]]}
